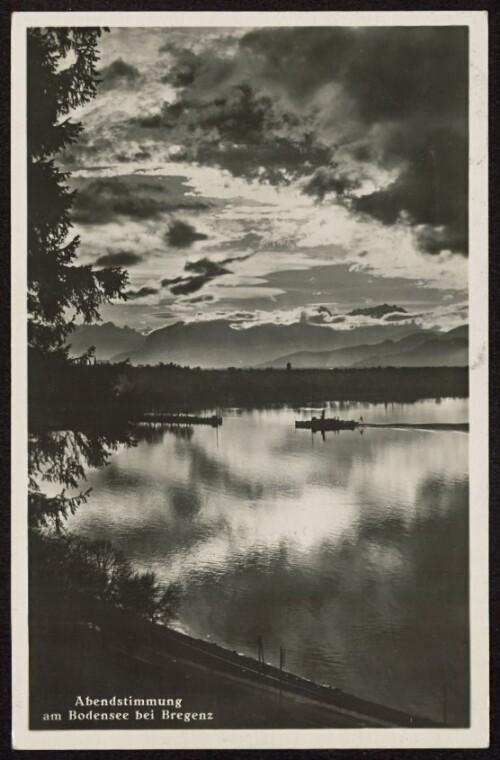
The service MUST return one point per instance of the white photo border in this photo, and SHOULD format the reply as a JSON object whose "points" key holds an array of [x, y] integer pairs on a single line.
{"points": [[477, 735]]}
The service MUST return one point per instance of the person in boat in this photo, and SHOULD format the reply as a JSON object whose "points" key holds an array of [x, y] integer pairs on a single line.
{"points": [[323, 414]]}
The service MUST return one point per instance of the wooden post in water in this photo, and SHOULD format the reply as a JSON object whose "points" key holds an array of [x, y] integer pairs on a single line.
{"points": [[261, 650], [282, 658]]}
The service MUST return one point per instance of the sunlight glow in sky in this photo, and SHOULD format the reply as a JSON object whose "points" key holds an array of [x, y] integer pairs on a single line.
{"points": [[274, 171]]}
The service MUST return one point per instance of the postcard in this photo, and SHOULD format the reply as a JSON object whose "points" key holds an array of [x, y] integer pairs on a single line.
{"points": [[250, 432]]}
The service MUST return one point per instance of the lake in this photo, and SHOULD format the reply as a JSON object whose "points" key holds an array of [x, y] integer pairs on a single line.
{"points": [[349, 551]]}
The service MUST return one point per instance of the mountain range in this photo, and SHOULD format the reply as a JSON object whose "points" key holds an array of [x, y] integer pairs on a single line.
{"points": [[107, 338], [419, 349], [216, 344]]}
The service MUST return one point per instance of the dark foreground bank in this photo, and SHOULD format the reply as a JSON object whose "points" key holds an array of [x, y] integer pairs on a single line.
{"points": [[100, 659], [115, 671], [66, 392]]}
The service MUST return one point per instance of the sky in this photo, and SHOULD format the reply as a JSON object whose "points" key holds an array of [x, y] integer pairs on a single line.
{"points": [[260, 174]]}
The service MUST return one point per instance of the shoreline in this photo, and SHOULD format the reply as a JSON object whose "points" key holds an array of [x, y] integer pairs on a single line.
{"points": [[146, 644], [110, 394]]}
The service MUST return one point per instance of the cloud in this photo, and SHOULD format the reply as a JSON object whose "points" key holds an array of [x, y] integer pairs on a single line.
{"points": [[103, 199], [100, 200], [329, 180], [182, 234], [379, 311], [118, 74], [248, 241], [376, 116], [207, 267], [164, 315], [201, 272], [239, 130], [407, 92], [324, 310], [322, 319], [141, 292], [118, 259], [201, 299], [401, 317], [190, 285]]}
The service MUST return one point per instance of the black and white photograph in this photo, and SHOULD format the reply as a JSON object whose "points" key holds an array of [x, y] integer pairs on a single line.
{"points": [[251, 261]]}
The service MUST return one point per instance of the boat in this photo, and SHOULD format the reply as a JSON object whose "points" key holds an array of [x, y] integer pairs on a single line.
{"points": [[177, 419], [325, 423]]}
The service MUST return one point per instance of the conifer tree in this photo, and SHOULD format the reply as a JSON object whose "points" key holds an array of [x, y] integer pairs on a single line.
{"points": [[61, 76]]}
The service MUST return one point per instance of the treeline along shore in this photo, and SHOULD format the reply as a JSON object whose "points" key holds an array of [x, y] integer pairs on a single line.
{"points": [[121, 390]]}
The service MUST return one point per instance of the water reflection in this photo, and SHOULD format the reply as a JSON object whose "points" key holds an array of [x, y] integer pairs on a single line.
{"points": [[351, 554]]}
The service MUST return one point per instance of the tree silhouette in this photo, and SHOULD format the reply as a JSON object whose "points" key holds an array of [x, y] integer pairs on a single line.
{"points": [[70, 577], [61, 76], [62, 457], [80, 575]]}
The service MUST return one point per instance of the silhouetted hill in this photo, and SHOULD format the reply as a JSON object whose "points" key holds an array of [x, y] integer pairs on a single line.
{"points": [[347, 357], [216, 344], [107, 338], [439, 352], [462, 331], [422, 348]]}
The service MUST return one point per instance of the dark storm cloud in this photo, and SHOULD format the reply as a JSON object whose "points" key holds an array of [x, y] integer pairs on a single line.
{"points": [[432, 189], [240, 131], [190, 285], [377, 312], [189, 66], [163, 315], [392, 71], [411, 83], [118, 259], [201, 272], [118, 74], [206, 267], [141, 292], [201, 299], [182, 234], [266, 111], [329, 180], [101, 200], [324, 310], [242, 316], [401, 317], [323, 319]]}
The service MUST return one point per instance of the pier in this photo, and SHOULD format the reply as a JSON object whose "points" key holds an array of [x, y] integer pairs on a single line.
{"points": [[176, 419]]}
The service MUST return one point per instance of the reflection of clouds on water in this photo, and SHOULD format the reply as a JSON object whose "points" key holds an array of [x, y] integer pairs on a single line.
{"points": [[351, 553], [383, 616], [266, 486]]}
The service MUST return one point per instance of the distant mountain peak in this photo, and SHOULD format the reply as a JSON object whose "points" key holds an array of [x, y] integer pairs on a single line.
{"points": [[107, 338], [376, 311]]}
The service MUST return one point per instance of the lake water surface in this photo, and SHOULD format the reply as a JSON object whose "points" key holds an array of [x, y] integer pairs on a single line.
{"points": [[350, 552]]}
